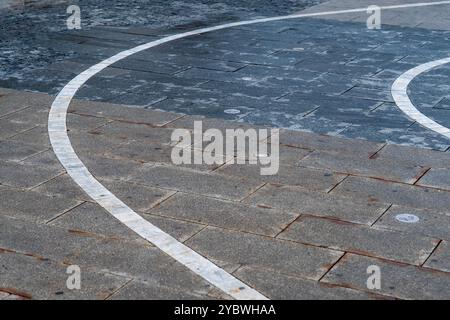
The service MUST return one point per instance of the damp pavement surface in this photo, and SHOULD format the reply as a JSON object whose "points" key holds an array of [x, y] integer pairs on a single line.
{"points": [[352, 166]]}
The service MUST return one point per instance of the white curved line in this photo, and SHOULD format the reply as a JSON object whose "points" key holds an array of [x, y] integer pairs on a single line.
{"points": [[400, 95], [80, 174]]}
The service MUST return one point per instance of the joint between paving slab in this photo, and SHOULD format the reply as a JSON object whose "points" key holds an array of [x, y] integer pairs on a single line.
{"points": [[421, 175], [382, 215], [337, 184], [431, 253]]}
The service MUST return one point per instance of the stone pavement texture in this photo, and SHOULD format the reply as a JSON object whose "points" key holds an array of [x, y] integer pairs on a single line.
{"points": [[309, 232], [308, 237]]}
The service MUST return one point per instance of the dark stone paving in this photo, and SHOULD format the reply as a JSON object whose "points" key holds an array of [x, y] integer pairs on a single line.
{"points": [[309, 232]]}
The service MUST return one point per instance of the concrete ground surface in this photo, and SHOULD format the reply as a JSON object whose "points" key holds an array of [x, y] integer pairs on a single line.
{"points": [[350, 161]]}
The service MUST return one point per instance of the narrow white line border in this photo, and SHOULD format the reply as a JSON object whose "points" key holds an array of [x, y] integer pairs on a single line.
{"points": [[64, 151], [399, 92]]}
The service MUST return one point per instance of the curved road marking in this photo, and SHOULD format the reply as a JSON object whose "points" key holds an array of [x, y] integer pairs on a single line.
{"points": [[80, 174], [400, 95]]}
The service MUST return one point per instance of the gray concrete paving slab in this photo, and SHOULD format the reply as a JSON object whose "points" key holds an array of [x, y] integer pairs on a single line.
{"points": [[399, 280]]}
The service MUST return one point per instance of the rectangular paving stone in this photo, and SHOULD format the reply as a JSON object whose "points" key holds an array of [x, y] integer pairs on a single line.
{"points": [[17, 101], [436, 178], [277, 286], [416, 156], [41, 279], [435, 224], [45, 159], [92, 219], [362, 165], [118, 112], [85, 143], [16, 151], [24, 176], [440, 259], [303, 201], [41, 241], [396, 193], [321, 142], [33, 206], [224, 214], [30, 117], [142, 262], [347, 237], [370, 94], [322, 180], [214, 185], [261, 252], [180, 230], [398, 280]]}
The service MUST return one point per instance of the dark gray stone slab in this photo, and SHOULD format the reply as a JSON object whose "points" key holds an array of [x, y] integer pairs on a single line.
{"points": [[140, 290], [16, 151], [327, 143], [118, 112], [363, 165], [33, 206], [109, 168], [91, 219], [129, 259], [62, 186], [180, 230], [302, 201], [41, 279], [24, 176], [347, 237], [37, 136], [416, 156], [225, 214], [215, 185], [262, 252], [397, 280], [440, 259], [435, 224], [138, 197], [436, 178], [321, 180]]}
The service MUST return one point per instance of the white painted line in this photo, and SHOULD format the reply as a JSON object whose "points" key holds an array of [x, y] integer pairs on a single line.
{"points": [[80, 174], [401, 98]]}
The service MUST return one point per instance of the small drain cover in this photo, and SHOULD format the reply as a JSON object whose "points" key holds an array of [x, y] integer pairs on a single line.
{"points": [[232, 111], [407, 218]]}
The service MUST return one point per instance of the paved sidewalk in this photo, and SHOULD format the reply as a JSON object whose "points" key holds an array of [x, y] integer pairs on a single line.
{"points": [[351, 163], [309, 232]]}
